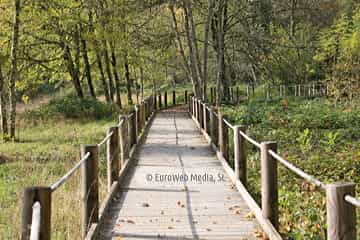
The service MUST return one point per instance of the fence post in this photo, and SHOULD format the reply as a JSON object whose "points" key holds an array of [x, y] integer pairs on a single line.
{"points": [[340, 215], [186, 97], [240, 155], [237, 94], [205, 117], [155, 102], [212, 124], [112, 156], [136, 122], [124, 151], [160, 103], [30, 196], [201, 116], [221, 133], [269, 188], [90, 188], [165, 99], [174, 98]]}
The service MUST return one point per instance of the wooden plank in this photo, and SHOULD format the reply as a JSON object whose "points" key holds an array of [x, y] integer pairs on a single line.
{"points": [[177, 209]]}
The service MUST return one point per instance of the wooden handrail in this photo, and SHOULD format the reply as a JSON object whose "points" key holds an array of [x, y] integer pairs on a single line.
{"points": [[341, 203]]}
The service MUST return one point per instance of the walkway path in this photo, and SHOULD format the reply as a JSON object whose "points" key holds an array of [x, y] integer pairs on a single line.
{"points": [[154, 203]]}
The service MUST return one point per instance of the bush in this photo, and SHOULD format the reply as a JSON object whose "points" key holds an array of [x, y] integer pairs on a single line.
{"points": [[72, 107]]}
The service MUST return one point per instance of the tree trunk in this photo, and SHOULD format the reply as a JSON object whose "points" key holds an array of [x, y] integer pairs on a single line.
{"points": [[128, 81], [72, 70], [87, 68], [3, 111], [206, 48], [108, 70], [189, 71], [102, 75], [193, 63], [116, 75], [221, 52], [13, 68]]}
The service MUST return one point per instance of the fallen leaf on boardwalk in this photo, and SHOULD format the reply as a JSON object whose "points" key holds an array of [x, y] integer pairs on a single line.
{"points": [[260, 234], [192, 148], [179, 203], [195, 222], [234, 207], [250, 215], [121, 220], [178, 220], [182, 205], [145, 205], [208, 229], [214, 222], [169, 227], [238, 211], [162, 212], [130, 221]]}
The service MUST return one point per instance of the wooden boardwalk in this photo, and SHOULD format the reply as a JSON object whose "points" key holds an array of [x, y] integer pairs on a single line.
{"points": [[177, 189]]}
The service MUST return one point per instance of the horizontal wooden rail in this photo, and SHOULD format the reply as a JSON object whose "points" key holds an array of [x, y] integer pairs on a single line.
{"points": [[340, 200], [350, 199], [36, 221], [64, 178], [120, 142]]}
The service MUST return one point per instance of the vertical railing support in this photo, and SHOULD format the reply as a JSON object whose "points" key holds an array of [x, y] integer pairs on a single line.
{"points": [[90, 188], [165, 99], [123, 143], [160, 103], [174, 98], [137, 120], [341, 216], [205, 117], [212, 125], [269, 185], [186, 97], [240, 155], [112, 156], [43, 196], [221, 133]]}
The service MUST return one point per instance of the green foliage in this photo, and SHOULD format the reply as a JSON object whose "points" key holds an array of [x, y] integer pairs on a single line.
{"points": [[305, 140], [339, 54], [317, 136], [72, 107]]}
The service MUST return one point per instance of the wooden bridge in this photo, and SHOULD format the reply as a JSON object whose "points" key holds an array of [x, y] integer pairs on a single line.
{"points": [[173, 175]]}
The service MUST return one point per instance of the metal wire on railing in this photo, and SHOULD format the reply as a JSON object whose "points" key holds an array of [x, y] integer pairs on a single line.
{"points": [[350, 199], [62, 180], [297, 170], [35, 222]]}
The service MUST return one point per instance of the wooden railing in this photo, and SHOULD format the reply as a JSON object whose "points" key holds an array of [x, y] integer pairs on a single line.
{"points": [[235, 94], [340, 197], [121, 143]]}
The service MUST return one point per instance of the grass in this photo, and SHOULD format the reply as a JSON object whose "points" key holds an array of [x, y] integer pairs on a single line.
{"points": [[49, 145], [321, 138]]}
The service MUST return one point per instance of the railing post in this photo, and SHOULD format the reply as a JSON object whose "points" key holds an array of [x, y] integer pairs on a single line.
{"points": [[221, 133], [112, 156], [269, 185], [90, 188], [196, 109], [160, 103], [137, 116], [212, 125], [165, 99], [240, 155], [186, 97], [43, 196], [340, 215], [154, 102], [124, 151], [174, 98], [201, 122], [205, 118]]}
